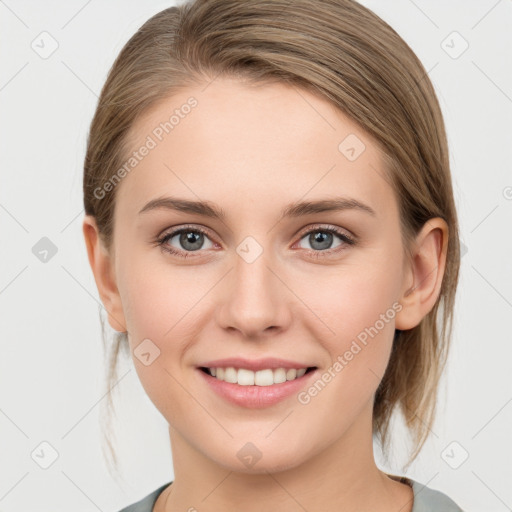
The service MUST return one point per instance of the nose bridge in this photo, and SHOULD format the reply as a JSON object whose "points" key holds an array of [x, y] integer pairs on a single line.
{"points": [[256, 298]]}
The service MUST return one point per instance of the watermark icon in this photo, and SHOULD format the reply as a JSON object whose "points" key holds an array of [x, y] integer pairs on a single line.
{"points": [[351, 147], [454, 45], [44, 250], [151, 142], [463, 250], [249, 454], [507, 193], [304, 397], [454, 455], [146, 352], [44, 455], [249, 249], [45, 45]]}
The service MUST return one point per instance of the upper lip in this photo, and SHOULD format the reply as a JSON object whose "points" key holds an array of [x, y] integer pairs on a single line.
{"points": [[254, 364]]}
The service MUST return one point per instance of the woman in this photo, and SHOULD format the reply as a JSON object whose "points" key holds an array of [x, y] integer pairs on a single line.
{"points": [[272, 230]]}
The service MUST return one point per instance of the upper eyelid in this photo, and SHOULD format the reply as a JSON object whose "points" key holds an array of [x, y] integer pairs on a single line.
{"points": [[325, 227], [176, 229]]}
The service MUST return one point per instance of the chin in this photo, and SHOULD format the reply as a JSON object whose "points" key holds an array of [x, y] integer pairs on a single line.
{"points": [[251, 460]]}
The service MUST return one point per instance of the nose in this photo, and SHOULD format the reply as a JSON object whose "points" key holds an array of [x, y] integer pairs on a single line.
{"points": [[255, 299]]}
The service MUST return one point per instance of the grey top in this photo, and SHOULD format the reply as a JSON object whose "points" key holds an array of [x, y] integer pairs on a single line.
{"points": [[425, 499]]}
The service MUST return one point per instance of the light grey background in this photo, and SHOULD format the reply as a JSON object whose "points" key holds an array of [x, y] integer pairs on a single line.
{"points": [[51, 365]]}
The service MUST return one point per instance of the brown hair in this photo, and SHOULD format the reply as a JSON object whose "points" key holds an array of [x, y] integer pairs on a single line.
{"points": [[341, 51]]}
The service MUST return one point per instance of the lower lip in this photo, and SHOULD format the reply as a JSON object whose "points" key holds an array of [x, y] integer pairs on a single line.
{"points": [[256, 397]]}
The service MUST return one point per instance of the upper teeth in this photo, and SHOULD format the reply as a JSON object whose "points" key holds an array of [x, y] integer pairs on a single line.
{"points": [[245, 377]]}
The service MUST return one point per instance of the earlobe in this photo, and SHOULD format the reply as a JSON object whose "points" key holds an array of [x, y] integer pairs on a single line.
{"points": [[424, 274], [102, 267]]}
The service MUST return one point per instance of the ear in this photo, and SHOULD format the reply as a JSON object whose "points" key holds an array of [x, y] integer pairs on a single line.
{"points": [[424, 274], [102, 266]]}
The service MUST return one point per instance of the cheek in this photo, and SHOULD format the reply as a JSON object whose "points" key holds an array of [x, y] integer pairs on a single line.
{"points": [[353, 320], [164, 312], [158, 300], [146, 304], [161, 319], [350, 298]]}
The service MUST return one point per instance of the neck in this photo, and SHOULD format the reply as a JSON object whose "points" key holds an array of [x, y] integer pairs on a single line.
{"points": [[341, 476]]}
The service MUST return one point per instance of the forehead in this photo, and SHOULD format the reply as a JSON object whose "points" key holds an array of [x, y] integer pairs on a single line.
{"points": [[267, 141]]}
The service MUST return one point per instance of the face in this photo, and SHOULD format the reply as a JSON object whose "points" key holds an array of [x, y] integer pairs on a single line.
{"points": [[266, 284]]}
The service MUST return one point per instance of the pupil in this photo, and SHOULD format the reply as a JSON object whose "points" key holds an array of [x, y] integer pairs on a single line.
{"points": [[323, 239], [189, 238]]}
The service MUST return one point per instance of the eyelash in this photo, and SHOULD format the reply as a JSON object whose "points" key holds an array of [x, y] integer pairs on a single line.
{"points": [[161, 242]]}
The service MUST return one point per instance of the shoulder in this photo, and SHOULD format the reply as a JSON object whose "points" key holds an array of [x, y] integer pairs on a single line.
{"points": [[430, 500], [147, 503]]}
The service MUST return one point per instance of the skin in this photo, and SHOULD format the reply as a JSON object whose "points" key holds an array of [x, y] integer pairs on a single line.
{"points": [[281, 144]]}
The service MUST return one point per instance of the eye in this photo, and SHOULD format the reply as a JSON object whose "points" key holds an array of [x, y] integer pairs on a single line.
{"points": [[183, 242], [321, 239], [188, 239]]}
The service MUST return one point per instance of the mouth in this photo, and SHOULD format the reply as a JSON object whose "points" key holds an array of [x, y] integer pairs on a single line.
{"points": [[263, 377], [258, 388]]}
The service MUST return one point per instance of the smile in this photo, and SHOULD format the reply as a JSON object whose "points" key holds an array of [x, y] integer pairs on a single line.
{"points": [[258, 388], [246, 377]]}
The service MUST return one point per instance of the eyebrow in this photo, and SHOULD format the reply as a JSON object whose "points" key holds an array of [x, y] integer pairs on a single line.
{"points": [[298, 209]]}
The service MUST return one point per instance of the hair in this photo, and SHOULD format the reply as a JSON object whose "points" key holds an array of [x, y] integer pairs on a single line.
{"points": [[342, 52]]}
